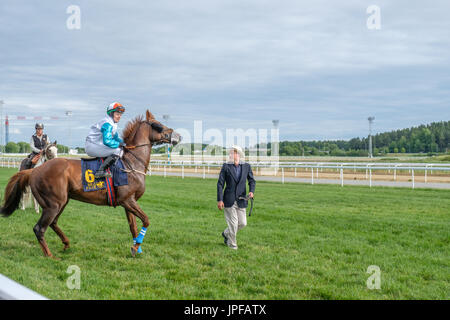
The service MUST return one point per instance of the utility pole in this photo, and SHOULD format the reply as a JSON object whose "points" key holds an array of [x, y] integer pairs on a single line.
{"points": [[275, 144], [2, 144], [69, 114], [371, 119]]}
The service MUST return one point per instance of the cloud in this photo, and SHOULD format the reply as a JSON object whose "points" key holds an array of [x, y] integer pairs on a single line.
{"points": [[315, 66]]}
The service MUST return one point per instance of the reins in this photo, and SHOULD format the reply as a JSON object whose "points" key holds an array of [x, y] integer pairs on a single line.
{"points": [[129, 148], [155, 126], [130, 166]]}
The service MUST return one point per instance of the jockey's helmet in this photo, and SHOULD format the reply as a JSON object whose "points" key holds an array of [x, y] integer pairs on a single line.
{"points": [[115, 107], [39, 126]]}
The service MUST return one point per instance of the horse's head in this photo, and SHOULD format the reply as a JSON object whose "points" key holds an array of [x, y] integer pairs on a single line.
{"points": [[160, 133], [51, 151]]}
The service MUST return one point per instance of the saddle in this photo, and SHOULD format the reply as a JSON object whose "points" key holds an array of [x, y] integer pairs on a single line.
{"points": [[119, 178]]}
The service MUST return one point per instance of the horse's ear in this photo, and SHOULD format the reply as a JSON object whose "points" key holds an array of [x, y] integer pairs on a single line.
{"points": [[149, 116], [54, 143]]}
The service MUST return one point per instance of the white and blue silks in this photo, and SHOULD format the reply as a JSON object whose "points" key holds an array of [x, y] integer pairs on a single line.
{"points": [[103, 139]]}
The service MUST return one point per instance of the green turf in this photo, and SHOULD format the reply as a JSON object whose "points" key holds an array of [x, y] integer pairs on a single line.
{"points": [[303, 242]]}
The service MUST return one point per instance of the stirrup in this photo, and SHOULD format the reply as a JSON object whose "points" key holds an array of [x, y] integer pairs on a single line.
{"points": [[102, 174]]}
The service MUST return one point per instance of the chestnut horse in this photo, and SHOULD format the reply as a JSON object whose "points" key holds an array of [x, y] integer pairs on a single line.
{"points": [[58, 180]]}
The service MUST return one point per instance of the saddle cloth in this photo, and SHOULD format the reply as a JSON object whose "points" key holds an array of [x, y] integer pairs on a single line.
{"points": [[119, 178]]}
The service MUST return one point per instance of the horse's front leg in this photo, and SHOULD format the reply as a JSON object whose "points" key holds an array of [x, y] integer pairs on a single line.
{"points": [[36, 204], [133, 228], [25, 198], [22, 201], [131, 206]]}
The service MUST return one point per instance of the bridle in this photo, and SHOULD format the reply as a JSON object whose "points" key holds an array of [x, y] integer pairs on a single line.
{"points": [[47, 151], [155, 126]]}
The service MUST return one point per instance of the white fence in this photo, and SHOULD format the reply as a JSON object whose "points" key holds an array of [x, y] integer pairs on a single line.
{"points": [[280, 169], [11, 290]]}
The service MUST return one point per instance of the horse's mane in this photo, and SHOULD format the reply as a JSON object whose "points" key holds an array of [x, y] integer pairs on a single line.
{"points": [[131, 128]]}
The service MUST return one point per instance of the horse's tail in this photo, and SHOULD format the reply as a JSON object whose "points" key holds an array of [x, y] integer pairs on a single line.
{"points": [[13, 193]]}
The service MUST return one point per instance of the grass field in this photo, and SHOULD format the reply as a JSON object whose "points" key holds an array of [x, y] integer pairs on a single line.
{"points": [[303, 242]]}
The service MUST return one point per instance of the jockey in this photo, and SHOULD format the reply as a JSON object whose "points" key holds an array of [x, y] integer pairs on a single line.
{"points": [[38, 142], [104, 141]]}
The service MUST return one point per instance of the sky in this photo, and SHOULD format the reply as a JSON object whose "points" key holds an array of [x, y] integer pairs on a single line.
{"points": [[313, 65]]}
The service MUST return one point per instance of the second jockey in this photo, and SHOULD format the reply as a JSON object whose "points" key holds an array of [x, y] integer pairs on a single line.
{"points": [[103, 140], [38, 142]]}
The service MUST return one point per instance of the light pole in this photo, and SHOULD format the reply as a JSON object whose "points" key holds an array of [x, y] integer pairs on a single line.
{"points": [[371, 119], [274, 143], [69, 114], [166, 120], [2, 145]]}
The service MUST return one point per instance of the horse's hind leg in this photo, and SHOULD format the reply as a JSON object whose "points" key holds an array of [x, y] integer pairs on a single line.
{"points": [[58, 231], [48, 215]]}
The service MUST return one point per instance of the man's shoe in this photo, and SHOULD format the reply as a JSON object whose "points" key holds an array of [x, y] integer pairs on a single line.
{"points": [[225, 239]]}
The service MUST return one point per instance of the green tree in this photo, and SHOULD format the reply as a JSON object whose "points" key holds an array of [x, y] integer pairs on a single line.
{"points": [[12, 147], [24, 147]]}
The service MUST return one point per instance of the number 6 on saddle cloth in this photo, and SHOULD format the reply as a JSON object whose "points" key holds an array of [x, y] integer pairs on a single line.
{"points": [[90, 183]]}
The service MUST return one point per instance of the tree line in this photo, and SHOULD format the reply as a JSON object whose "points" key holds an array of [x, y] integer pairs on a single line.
{"points": [[431, 138], [24, 147]]}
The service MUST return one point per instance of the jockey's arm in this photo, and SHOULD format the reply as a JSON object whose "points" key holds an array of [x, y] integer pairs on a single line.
{"points": [[108, 139]]}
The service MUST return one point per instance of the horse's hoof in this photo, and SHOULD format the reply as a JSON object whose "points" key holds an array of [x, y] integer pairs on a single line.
{"points": [[66, 247], [133, 251]]}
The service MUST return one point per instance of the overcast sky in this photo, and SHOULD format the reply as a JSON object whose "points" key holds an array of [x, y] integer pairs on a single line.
{"points": [[314, 65]]}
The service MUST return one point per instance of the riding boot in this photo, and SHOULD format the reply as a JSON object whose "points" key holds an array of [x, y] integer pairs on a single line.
{"points": [[29, 163], [101, 172]]}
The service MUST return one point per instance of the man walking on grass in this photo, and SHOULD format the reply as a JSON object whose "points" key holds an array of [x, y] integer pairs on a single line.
{"points": [[234, 174]]}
